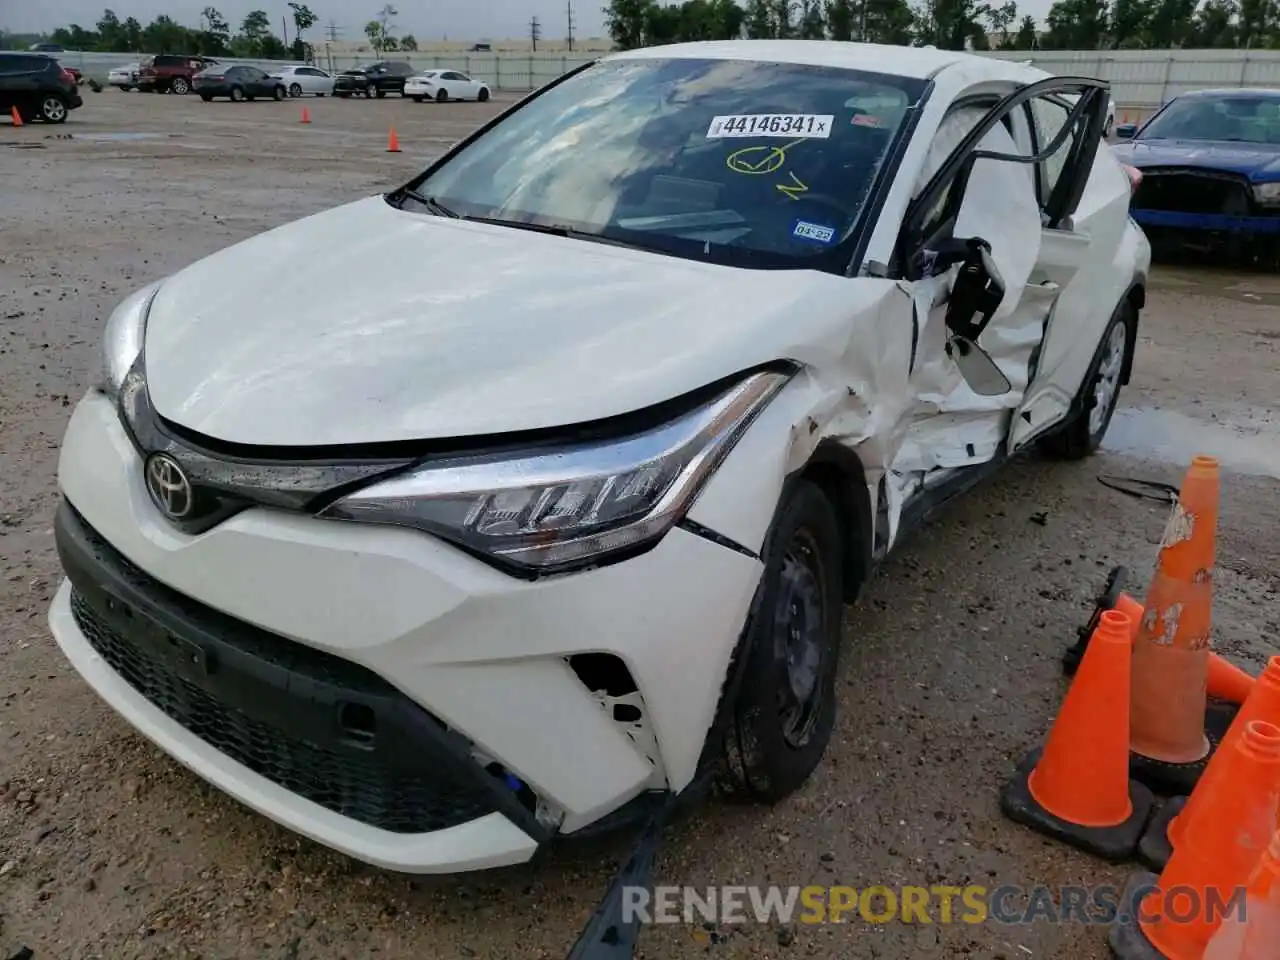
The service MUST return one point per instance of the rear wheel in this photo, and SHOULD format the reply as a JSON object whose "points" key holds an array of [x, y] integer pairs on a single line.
{"points": [[1100, 392], [278, 93], [442, 96], [180, 86], [773, 734], [53, 109], [370, 92], [295, 89], [237, 95]]}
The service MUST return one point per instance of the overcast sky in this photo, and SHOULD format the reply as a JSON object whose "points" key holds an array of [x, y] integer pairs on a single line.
{"points": [[433, 19]]}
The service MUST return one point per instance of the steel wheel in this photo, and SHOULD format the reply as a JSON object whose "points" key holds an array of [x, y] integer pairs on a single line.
{"points": [[1106, 390]]}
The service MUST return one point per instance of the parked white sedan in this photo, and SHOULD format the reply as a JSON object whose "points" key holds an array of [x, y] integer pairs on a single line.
{"points": [[302, 80], [448, 557], [442, 85], [126, 77]]}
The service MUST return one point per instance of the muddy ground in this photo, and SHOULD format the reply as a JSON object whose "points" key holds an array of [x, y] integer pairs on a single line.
{"points": [[951, 671]]}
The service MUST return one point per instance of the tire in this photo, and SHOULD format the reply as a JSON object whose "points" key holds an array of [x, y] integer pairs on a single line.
{"points": [[295, 90], [237, 95], [380, 94], [342, 96], [418, 99], [206, 97], [370, 92], [790, 655], [442, 96], [278, 94], [52, 109], [181, 86], [1100, 392], [483, 96]]}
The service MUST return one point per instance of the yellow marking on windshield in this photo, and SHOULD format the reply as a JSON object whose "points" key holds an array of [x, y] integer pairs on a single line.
{"points": [[793, 189], [759, 160]]}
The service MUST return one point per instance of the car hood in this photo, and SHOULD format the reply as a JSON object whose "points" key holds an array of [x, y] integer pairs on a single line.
{"points": [[1254, 160], [369, 324]]}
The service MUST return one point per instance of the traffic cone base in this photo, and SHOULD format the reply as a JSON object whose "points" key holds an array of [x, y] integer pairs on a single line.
{"points": [[1115, 844], [1179, 779], [1126, 939], [1155, 848]]}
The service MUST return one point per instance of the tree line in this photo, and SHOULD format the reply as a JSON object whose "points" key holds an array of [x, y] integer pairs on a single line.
{"points": [[955, 24], [213, 37]]}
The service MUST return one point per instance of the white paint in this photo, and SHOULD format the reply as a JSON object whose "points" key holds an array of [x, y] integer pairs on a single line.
{"points": [[1179, 528], [778, 125]]}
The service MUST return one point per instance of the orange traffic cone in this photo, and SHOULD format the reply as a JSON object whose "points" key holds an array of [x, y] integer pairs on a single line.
{"points": [[393, 142], [306, 115], [1227, 681], [1216, 854], [1168, 826], [1256, 935], [1171, 651], [1077, 788], [15, 116]]}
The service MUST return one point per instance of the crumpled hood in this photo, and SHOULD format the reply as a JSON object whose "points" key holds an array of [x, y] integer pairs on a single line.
{"points": [[1258, 161], [366, 324]]}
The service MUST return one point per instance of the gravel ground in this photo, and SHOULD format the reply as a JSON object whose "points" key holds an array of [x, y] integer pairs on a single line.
{"points": [[109, 849]]}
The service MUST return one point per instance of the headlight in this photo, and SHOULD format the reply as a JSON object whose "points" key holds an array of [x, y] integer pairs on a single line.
{"points": [[122, 341], [550, 510], [1268, 193]]}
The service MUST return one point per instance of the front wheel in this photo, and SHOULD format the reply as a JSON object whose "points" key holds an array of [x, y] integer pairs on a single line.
{"points": [[295, 89], [774, 732], [1100, 392], [180, 86], [484, 95], [370, 92], [53, 109]]}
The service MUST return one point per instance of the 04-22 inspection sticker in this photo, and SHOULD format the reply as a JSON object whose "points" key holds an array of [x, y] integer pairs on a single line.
{"points": [[817, 126]]}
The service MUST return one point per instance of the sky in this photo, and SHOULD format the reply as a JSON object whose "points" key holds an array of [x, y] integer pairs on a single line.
{"points": [[433, 19]]}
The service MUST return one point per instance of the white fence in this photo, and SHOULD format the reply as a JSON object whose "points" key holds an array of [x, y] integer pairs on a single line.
{"points": [[1139, 78]]}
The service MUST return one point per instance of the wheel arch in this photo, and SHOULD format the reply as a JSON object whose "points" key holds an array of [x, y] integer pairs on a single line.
{"points": [[1136, 299], [839, 473]]}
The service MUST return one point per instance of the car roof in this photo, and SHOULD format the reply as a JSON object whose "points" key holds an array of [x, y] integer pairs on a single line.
{"points": [[916, 62]]}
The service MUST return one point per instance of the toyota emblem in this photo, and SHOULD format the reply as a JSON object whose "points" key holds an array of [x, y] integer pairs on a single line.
{"points": [[169, 487]]}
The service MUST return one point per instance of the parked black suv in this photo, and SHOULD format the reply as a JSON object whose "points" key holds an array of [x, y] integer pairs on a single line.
{"points": [[374, 80], [38, 86]]}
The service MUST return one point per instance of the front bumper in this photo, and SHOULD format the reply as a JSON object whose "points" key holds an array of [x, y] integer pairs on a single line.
{"points": [[1219, 222], [350, 85], [74, 100], [467, 668]]}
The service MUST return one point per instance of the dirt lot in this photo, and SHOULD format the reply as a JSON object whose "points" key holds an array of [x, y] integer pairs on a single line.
{"points": [[109, 849]]}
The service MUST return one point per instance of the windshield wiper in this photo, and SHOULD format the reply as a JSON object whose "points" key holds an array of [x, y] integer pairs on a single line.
{"points": [[557, 230], [431, 203]]}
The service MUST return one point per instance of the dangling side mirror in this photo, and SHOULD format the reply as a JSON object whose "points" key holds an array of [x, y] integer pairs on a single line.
{"points": [[975, 297], [978, 369]]}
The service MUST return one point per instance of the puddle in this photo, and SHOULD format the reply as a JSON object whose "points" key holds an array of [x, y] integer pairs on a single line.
{"points": [[1249, 443]]}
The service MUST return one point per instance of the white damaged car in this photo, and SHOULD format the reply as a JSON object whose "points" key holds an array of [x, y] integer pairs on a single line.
{"points": [[551, 509]]}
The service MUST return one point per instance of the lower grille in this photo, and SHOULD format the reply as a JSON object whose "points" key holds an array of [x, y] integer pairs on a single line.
{"points": [[1198, 192], [319, 726]]}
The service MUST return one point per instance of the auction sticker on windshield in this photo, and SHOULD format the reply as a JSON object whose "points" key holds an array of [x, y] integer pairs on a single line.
{"points": [[772, 125]]}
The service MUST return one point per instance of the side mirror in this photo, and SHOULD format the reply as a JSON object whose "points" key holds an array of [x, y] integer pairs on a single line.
{"points": [[978, 289], [1125, 131], [978, 369]]}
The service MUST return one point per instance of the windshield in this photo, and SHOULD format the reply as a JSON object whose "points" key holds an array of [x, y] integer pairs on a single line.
{"points": [[736, 162], [1235, 118]]}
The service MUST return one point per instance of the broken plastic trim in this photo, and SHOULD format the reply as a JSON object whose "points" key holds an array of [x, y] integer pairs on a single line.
{"points": [[608, 935]]}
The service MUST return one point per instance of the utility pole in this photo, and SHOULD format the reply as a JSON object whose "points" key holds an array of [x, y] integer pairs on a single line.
{"points": [[331, 31], [568, 7], [535, 33]]}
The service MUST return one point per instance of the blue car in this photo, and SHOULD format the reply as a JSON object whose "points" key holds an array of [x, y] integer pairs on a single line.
{"points": [[1210, 165]]}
